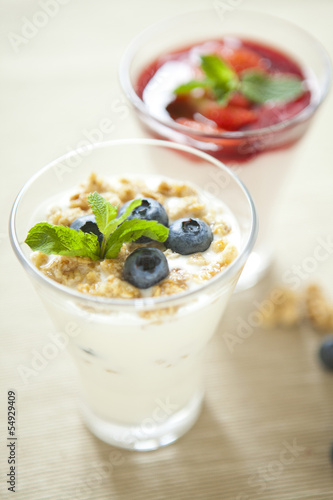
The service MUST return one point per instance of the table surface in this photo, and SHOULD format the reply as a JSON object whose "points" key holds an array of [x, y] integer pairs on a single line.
{"points": [[267, 424]]}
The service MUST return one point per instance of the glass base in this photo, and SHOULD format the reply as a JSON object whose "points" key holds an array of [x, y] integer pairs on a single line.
{"points": [[257, 266], [144, 437]]}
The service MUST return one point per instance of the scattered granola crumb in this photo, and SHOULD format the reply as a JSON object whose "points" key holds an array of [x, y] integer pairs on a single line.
{"points": [[64, 217], [284, 308], [115, 288], [95, 183], [80, 200], [179, 190], [170, 254], [69, 271], [197, 259], [219, 245], [115, 266], [189, 206], [92, 277], [174, 283], [228, 255], [209, 271], [221, 228], [318, 309], [147, 193], [39, 259]]}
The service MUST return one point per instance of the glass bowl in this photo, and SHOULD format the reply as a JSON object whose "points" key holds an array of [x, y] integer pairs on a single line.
{"points": [[261, 158], [139, 360]]}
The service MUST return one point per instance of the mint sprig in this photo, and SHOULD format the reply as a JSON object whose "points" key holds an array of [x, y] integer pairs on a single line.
{"points": [[259, 87], [255, 85], [61, 240], [220, 79], [131, 230]]}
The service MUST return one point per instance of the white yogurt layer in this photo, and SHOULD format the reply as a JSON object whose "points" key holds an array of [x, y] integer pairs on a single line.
{"points": [[130, 362]]}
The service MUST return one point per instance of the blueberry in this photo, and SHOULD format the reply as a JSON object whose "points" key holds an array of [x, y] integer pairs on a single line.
{"points": [[326, 352], [149, 209], [188, 236], [145, 267], [87, 224]]}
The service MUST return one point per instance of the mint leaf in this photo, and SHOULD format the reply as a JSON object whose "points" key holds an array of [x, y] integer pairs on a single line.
{"points": [[219, 72], [131, 230], [129, 210], [62, 240], [117, 222], [257, 86], [222, 96], [105, 215], [260, 87], [193, 84], [103, 211], [221, 79]]}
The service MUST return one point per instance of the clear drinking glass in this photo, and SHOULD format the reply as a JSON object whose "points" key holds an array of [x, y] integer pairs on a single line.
{"points": [[261, 158], [139, 360]]}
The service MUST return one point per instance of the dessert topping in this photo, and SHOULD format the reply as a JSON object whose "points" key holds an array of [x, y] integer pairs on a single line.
{"points": [[60, 240], [145, 267], [187, 236], [258, 86], [149, 209]]}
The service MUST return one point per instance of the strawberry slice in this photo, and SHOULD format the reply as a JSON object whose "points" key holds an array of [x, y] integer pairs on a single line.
{"points": [[228, 117], [239, 100], [198, 126], [242, 59]]}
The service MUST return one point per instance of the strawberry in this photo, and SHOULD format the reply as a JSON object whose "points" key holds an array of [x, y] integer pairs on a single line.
{"points": [[239, 100], [197, 126], [228, 117], [241, 59]]}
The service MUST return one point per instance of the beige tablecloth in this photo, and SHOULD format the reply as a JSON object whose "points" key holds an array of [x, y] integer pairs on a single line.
{"points": [[267, 424]]}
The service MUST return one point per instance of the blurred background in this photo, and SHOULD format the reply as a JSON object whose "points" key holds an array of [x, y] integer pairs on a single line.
{"points": [[59, 81]]}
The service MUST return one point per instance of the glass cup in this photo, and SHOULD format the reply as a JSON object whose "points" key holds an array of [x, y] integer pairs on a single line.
{"points": [[139, 360], [261, 158]]}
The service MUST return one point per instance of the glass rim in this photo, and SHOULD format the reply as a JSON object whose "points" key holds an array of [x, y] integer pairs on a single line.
{"points": [[145, 302], [303, 115]]}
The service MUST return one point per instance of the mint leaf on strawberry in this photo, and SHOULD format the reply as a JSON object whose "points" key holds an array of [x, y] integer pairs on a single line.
{"points": [[221, 79], [261, 87], [61, 240], [191, 85], [257, 86]]}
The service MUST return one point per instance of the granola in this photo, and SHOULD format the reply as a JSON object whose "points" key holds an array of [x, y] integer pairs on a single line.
{"points": [[319, 309], [285, 307]]}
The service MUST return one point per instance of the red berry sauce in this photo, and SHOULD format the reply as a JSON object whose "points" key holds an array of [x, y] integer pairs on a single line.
{"points": [[157, 82]]}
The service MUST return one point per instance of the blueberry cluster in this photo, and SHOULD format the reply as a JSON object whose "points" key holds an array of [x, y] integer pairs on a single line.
{"points": [[147, 266]]}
